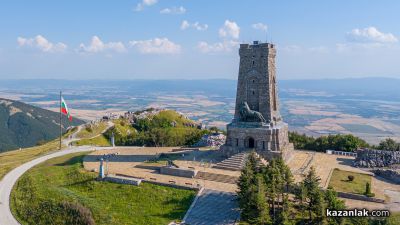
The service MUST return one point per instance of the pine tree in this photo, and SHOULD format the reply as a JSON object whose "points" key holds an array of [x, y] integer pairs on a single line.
{"points": [[284, 217], [314, 196], [245, 184], [274, 181], [261, 208], [300, 197], [333, 203]]}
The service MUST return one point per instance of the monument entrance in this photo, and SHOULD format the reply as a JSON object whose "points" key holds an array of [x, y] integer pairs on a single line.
{"points": [[251, 142]]}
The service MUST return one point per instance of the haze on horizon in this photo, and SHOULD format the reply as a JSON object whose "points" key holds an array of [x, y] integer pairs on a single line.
{"points": [[177, 39]]}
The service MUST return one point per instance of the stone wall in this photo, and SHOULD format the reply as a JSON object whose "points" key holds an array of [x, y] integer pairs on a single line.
{"points": [[122, 180], [179, 172], [370, 158], [391, 175]]}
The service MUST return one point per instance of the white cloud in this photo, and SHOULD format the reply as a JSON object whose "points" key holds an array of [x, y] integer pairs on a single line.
{"points": [[196, 25], [259, 26], [156, 46], [319, 49], [173, 10], [230, 30], [97, 45], [370, 35], [41, 43], [292, 48], [140, 6], [225, 46]]}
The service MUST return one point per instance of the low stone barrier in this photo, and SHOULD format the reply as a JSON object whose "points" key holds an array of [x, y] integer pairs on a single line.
{"points": [[179, 172], [174, 185], [333, 152], [123, 180], [359, 197]]}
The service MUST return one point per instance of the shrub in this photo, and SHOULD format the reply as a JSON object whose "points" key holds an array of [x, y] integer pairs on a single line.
{"points": [[41, 142], [350, 177], [89, 129], [368, 192], [77, 214]]}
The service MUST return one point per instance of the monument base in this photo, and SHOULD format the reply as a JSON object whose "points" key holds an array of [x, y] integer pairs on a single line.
{"points": [[268, 140]]}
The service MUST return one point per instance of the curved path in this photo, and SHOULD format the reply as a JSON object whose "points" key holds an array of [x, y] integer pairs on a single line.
{"points": [[8, 181]]}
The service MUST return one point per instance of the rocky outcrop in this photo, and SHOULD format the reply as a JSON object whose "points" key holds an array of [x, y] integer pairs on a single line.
{"points": [[370, 158], [391, 175], [211, 140]]}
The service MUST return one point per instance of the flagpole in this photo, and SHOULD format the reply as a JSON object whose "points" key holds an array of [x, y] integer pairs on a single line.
{"points": [[60, 121]]}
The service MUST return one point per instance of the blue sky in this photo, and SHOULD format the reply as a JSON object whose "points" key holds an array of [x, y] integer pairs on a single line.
{"points": [[186, 39]]}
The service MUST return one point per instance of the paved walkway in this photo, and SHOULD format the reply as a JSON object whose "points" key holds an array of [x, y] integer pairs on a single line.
{"points": [[214, 207]]}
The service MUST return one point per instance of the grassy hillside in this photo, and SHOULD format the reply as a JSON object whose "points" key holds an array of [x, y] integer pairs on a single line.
{"points": [[163, 128], [12, 159], [23, 125], [41, 194]]}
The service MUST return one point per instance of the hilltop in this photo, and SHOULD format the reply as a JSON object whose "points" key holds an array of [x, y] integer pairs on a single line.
{"points": [[23, 125], [154, 127]]}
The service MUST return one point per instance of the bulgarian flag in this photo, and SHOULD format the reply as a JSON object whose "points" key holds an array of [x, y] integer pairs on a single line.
{"points": [[64, 109]]}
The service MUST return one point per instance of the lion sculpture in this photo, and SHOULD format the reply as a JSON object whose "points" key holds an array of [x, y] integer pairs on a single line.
{"points": [[248, 115]]}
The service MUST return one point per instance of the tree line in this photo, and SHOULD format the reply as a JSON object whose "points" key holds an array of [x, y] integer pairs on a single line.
{"points": [[268, 195], [338, 142]]}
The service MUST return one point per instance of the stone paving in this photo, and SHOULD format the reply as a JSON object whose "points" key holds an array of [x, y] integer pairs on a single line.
{"points": [[129, 157], [214, 207]]}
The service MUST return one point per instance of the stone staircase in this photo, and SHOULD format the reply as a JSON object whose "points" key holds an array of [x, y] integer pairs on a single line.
{"points": [[216, 177], [213, 207], [235, 162]]}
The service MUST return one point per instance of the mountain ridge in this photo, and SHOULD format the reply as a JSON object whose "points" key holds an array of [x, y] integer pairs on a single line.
{"points": [[23, 125]]}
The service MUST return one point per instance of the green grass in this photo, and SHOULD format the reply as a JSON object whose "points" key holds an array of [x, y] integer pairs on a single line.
{"points": [[172, 115], [340, 182], [124, 127], [96, 130], [394, 219], [64, 179], [12, 159], [96, 141]]}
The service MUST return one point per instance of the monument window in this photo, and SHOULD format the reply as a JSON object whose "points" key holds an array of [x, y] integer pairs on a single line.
{"points": [[254, 93], [237, 142], [263, 144], [253, 62]]}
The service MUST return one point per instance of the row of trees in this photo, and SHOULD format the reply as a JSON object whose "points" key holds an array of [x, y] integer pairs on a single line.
{"points": [[338, 142], [268, 195], [389, 144]]}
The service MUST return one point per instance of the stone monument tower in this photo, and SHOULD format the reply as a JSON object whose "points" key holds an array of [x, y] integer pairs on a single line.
{"points": [[257, 124]]}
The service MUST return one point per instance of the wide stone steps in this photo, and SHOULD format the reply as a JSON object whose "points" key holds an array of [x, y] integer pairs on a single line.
{"points": [[235, 162], [216, 177], [214, 207]]}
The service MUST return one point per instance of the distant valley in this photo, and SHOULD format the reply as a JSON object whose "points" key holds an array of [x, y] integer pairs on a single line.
{"points": [[367, 107]]}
